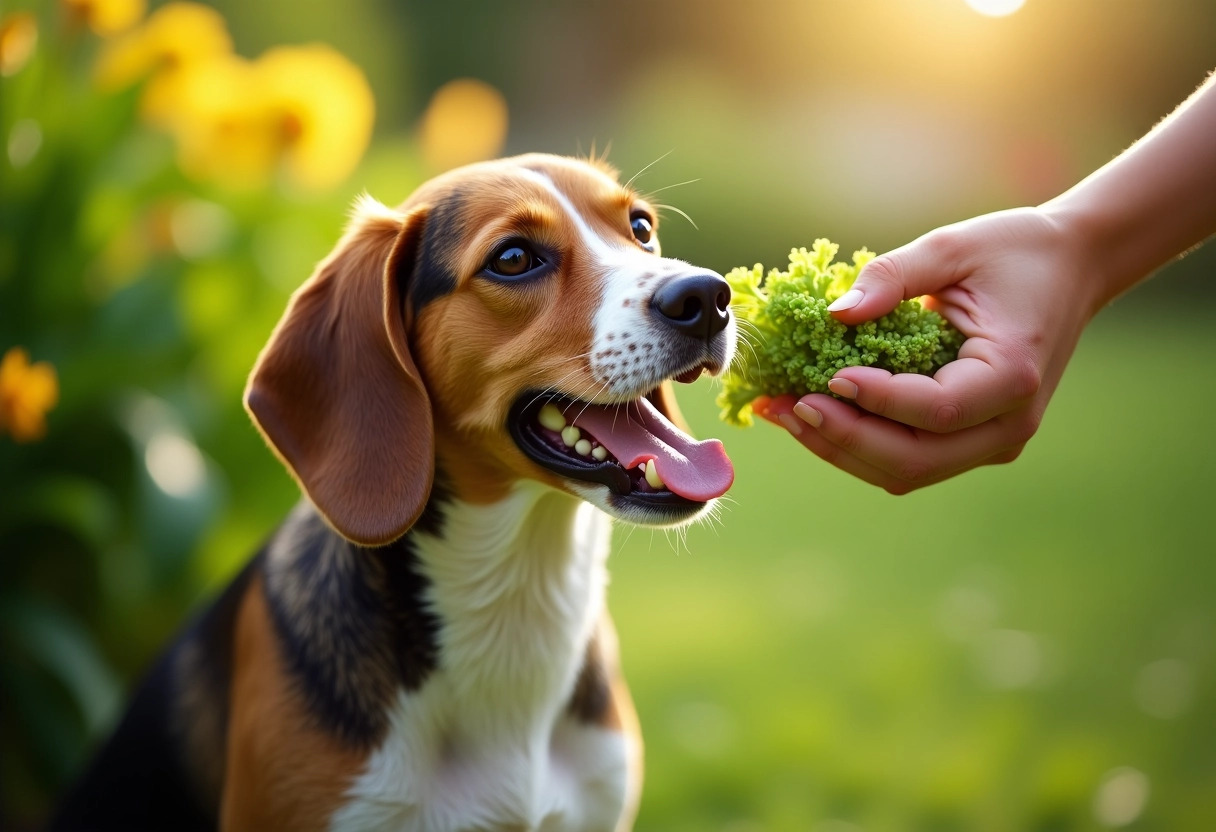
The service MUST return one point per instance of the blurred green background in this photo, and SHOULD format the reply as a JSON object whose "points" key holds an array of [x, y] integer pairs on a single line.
{"points": [[1031, 647]]}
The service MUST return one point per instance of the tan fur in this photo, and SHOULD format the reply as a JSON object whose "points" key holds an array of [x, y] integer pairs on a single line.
{"points": [[525, 339], [282, 772], [513, 337], [406, 391]]}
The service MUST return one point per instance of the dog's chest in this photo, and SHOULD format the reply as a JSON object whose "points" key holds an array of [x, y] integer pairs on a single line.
{"points": [[487, 742]]}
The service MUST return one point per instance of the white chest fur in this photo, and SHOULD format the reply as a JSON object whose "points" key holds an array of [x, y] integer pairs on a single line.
{"points": [[486, 743]]}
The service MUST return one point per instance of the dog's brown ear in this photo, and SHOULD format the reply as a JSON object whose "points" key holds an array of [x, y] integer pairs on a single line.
{"points": [[664, 400], [336, 392]]}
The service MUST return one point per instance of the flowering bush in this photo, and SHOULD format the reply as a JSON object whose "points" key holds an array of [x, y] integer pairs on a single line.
{"points": [[304, 111], [159, 197]]}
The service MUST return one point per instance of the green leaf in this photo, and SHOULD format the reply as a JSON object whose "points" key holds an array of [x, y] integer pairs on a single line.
{"points": [[56, 641]]}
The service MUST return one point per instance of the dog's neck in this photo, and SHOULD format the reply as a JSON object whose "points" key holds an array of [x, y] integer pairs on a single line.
{"points": [[489, 740], [486, 610], [517, 587]]}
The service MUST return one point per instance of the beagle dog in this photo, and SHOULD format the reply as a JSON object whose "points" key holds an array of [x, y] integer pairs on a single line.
{"points": [[467, 390]]}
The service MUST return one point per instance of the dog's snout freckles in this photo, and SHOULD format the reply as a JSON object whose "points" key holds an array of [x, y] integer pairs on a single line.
{"points": [[659, 320]]}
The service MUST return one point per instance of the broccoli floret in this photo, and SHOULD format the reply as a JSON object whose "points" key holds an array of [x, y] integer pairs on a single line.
{"points": [[791, 344]]}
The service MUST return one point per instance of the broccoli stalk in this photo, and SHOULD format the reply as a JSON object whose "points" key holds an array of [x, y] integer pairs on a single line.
{"points": [[791, 344]]}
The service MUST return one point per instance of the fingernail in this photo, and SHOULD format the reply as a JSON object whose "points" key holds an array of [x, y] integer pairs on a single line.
{"points": [[843, 387], [846, 301], [808, 414], [791, 424]]}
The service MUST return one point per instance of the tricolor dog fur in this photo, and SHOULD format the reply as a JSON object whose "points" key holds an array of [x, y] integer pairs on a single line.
{"points": [[468, 390]]}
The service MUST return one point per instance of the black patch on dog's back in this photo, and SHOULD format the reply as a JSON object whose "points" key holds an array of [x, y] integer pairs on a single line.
{"points": [[149, 774], [353, 621], [443, 231], [137, 780], [202, 675]]}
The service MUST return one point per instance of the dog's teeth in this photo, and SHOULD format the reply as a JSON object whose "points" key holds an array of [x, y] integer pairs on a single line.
{"points": [[652, 475], [599, 452], [582, 447], [552, 418], [570, 435]]}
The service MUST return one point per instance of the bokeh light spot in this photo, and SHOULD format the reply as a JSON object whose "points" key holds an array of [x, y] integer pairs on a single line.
{"points": [[465, 122], [1164, 688], [966, 611], [199, 228], [996, 8], [175, 464], [24, 142], [1121, 797], [1009, 659]]}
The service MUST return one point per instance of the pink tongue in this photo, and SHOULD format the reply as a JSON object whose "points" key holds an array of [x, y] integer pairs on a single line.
{"points": [[637, 432]]}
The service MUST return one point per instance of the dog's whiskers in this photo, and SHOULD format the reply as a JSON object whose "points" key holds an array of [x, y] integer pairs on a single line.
{"points": [[588, 400], [651, 194], [648, 167], [678, 211], [553, 388]]}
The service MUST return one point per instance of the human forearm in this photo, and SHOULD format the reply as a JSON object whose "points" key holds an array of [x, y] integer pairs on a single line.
{"points": [[1021, 285], [1150, 204]]}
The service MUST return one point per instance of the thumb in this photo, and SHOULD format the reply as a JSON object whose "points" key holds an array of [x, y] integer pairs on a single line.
{"points": [[918, 268]]}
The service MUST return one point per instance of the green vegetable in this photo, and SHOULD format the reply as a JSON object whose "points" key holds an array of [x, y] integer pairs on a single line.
{"points": [[789, 343]]}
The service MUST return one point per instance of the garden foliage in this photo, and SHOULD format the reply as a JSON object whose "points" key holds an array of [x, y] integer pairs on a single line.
{"points": [[159, 197]]}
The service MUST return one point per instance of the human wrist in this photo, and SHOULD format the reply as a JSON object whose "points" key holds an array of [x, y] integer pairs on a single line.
{"points": [[1085, 234], [1149, 205], [1086, 276]]}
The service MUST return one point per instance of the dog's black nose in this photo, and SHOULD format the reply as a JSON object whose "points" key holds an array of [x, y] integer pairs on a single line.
{"points": [[698, 305]]}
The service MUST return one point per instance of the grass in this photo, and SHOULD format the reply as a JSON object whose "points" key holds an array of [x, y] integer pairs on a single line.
{"points": [[980, 655]]}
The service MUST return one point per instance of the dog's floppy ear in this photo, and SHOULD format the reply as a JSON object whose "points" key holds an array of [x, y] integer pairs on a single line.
{"points": [[336, 392]]}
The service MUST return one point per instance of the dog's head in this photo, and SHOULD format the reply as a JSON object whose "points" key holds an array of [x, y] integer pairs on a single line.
{"points": [[513, 319]]}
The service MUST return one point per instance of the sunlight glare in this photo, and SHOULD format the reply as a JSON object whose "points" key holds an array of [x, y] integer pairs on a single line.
{"points": [[996, 8]]}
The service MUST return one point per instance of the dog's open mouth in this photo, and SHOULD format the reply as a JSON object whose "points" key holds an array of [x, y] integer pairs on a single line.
{"points": [[632, 448]]}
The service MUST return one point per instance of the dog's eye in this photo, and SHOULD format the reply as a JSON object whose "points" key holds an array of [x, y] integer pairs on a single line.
{"points": [[513, 259], [643, 230]]}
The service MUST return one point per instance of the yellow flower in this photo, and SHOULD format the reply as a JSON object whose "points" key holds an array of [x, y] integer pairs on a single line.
{"points": [[219, 124], [18, 38], [305, 111], [322, 108], [466, 121], [27, 392], [169, 45], [107, 17]]}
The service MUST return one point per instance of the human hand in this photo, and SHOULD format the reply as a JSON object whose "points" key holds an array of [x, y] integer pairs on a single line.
{"points": [[1021, 287]]}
